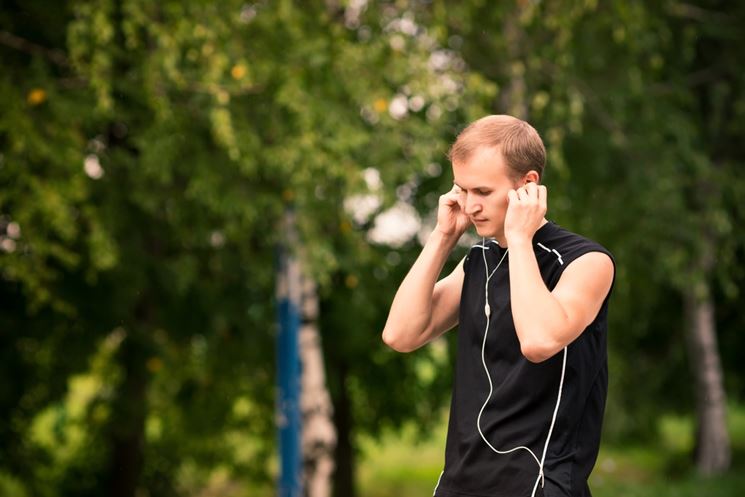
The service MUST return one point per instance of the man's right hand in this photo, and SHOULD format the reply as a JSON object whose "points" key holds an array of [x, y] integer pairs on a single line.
{"points": [[452, 221]]}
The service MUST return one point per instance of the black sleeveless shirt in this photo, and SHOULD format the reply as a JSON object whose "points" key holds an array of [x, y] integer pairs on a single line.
{"points": [[524, 395]]}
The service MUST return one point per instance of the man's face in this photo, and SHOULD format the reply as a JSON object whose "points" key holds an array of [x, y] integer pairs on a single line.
{"points": [[484, 181]]}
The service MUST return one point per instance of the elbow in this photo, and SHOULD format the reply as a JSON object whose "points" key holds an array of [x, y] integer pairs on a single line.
{"points": [[395, 341], [537, 352]]}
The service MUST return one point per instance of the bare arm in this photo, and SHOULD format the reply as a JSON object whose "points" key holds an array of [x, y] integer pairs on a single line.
{"points": [[422, 310], [546, 321]]}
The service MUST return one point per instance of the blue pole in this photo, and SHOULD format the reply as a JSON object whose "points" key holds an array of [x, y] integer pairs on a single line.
{"points": [[288, 374]]}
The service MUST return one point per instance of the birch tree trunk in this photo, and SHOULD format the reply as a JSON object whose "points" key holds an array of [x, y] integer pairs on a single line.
{"points": [[513, 97], [319, 433], [712, 445]]}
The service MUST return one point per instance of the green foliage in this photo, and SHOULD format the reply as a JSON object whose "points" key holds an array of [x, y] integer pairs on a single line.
{"points": [[148, 150], [150, 165]]}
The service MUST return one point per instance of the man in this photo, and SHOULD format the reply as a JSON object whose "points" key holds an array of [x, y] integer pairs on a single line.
{"points": [[531, 302]]}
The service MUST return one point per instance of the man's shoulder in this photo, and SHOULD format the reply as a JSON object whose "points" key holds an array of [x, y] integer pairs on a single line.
{"points": [[557, 248], [568, 242]]}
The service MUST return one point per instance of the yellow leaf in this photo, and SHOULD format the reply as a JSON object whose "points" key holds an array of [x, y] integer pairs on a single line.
{"points": [[238, 71], [36, 96]]}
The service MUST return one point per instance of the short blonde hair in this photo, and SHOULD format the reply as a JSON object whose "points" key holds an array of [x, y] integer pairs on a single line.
{"points": [[520, 144]]}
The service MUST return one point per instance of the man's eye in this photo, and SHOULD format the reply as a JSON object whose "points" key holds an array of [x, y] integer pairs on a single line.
{"points": [[481, 192]]}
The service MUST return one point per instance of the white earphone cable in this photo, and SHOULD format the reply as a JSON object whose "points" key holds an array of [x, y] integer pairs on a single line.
{"points": [[487, 312]]}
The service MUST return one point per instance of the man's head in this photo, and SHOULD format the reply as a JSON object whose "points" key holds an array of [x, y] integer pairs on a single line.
{"points": [[520, 144], [490, 157]]}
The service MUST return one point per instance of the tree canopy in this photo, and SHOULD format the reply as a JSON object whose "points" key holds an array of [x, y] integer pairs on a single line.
{"points": [[148, 150]]}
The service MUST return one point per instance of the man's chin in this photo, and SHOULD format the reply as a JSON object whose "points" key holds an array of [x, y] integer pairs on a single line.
{"points": [[483, 231]]}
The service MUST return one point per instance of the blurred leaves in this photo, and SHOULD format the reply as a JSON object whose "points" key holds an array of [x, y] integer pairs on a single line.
{"points": [[148, 150]]}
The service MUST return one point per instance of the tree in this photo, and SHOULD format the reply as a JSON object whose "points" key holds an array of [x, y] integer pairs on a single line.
{"points": [[149, 151], [152, 150]]}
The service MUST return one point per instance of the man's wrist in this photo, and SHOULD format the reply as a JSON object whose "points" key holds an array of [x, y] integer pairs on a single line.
{"points": [[442, 239], [517, 242]]}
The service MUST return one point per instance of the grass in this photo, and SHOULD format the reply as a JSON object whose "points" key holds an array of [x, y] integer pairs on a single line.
{"points": [[399, 465]]}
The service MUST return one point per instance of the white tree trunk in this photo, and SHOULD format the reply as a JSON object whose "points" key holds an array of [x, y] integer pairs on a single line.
{"points": [[712, 449], [319, 433]]}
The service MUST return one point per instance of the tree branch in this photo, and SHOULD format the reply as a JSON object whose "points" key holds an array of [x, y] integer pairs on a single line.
{"points": [[23, 45]]}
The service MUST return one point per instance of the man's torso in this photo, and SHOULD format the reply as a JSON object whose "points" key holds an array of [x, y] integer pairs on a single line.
{"points": [[515, 413]]}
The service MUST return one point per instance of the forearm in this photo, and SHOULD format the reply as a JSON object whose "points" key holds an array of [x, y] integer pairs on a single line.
{"points": [[411, 310], [540, 320]]}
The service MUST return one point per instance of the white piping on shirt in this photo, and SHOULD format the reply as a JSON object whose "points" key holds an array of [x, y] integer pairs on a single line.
{"points": [[438, 483], [558, 255]]}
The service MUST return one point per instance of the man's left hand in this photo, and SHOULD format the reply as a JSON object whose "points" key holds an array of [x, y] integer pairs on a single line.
{"points": [[525, 212]]}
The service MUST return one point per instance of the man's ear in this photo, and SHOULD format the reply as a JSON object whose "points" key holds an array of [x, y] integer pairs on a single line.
{"points": [[531, 177]]}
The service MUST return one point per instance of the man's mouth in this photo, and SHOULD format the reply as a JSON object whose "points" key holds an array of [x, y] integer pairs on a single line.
{"points": [[479, 220]]}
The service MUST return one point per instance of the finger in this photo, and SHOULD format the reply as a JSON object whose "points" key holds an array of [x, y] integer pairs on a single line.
{"points": [[512, 196], [460, 199], [532, 190], [522, 193], [451, 200], [448, 199], [542, 195], [449, 195]]}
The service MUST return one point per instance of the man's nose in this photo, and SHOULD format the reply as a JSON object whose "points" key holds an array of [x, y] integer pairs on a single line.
{"points": [[472, 204]]}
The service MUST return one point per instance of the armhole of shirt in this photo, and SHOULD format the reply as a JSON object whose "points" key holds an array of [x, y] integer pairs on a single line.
{"points": [[467, 260], [583, 249]]}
